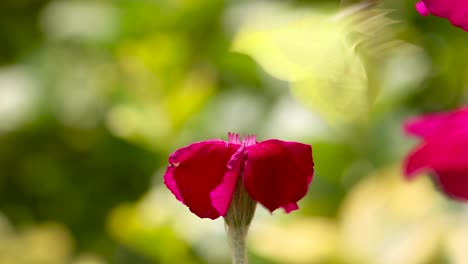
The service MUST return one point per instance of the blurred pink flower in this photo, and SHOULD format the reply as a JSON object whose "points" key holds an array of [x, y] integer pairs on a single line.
{"points": [[456, 11], [443, 150], [275, 173]]}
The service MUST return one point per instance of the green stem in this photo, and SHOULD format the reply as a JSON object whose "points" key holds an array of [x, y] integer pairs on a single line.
{"points": [[236, 239], [237, 222]]}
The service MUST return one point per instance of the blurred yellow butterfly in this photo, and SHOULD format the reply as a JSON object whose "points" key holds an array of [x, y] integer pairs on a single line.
{"points": [[318, 55]]}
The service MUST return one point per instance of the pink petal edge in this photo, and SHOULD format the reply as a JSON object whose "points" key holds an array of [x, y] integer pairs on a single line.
{"points": [[221, 196], [453, 183], [422, 9], [417, 161], [456, 11], [428, 124], [278, 173], [195, 171]]}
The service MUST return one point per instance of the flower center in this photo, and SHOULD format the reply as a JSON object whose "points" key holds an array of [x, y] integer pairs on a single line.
{"points": [[246, 140], [249, 140]]}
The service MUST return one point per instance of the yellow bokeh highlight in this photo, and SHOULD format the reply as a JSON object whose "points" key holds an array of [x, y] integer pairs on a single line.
{"points": [[386, 219], [302, 240]]}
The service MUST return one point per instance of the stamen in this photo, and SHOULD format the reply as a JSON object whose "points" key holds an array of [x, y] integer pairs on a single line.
{"points": [[234, 138], [249, 140]]}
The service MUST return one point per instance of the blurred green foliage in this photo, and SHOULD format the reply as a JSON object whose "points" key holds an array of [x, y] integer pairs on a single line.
{"points": [[94, 96]]}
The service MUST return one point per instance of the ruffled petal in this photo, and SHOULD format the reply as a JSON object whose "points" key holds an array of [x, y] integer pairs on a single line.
{"points": [[456, 11], [445, 154], [451, 163], [278, 173], [441, 8], [454, 182], [196, 171], [221, 196], [427, 125], [418, 160]]}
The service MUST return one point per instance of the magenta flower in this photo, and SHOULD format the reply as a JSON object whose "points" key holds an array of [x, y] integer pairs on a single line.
{"points": [[456, 11], [274, 173], [443, 150]]}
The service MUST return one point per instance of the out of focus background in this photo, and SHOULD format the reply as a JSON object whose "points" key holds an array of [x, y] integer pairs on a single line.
{"points": [[95, 95]]}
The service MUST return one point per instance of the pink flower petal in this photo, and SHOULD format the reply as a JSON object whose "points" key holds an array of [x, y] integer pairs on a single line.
{"points": [[427, 125], [419, 160], [444, 8], [451, 163], [290, 207], [456, 11], [278, 173], [454, 183], [421, 8], [222, 194], [445, 154], [451, 149], [198, 169], [446, 150]]}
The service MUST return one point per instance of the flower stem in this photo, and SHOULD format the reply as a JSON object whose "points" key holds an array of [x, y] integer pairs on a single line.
{"points": [[236, 239], [237, 222]]}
